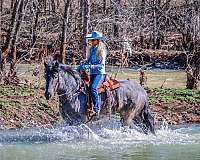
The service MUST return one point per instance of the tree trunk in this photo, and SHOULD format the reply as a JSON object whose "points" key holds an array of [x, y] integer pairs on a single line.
{"points": [[115, 26], [1, 6], [197, 74], [193, 63], [15, 34], [45, 6], [81, 9], [57, 3], [8, 46], [12, 4], [141, 41], [53, 6], [104, 6], [156, 30], [13, 50], [193, 73], [34, 29], [1, 9], [64, 32], [10, 30], [143, 2], [1, 42], [86, 21]]}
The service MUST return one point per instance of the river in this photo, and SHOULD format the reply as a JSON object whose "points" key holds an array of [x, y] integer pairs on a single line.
{"points": [[105, 140]]}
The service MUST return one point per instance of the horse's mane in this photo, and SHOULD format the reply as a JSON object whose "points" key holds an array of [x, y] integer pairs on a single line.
{"points": [[72, 72]]}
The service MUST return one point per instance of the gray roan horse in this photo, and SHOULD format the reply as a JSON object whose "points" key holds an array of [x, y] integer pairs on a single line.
{"points": [[129, 100]]}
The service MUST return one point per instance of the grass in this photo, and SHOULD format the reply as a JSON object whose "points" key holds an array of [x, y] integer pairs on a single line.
{"points": [[155, 78], [16, 96], [169, 79], [168, 95], [16, 91]]}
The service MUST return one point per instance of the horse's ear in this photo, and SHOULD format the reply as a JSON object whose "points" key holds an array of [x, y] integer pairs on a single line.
{"points": [[45, 64], [56, 64]]}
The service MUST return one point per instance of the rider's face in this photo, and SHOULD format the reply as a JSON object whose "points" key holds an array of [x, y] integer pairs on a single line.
{"points": [[94, 42]]}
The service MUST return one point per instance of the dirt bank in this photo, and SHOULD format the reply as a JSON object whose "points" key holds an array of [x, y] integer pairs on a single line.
{"points": [[23, 107], [176, 106]]}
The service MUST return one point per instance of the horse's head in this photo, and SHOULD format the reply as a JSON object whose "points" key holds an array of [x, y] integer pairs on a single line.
{"points": [[52, 78], [60, 78]]}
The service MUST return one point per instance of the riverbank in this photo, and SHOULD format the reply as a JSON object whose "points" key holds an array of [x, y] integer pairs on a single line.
{"points": [[25, 107], [175, 106]]}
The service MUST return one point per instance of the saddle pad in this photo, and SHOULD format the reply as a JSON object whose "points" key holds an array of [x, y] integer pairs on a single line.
{"points": [[108, 85]]}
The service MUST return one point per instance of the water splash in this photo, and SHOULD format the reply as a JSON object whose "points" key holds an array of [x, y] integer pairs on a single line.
{"points": [[101, 140], [105, 132]]}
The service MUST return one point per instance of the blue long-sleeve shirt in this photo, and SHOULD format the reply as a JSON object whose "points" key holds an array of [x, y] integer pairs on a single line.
{"points": [[97, 62]]}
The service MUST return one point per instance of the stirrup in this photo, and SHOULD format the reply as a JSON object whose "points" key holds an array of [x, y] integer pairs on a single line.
{"points": [[90, 111], [91, 115]]}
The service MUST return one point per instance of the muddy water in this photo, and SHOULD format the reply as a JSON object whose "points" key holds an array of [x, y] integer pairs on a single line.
{"points": [[101, 141]]}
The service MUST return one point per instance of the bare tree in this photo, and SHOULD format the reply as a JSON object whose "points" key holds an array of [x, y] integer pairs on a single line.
{"points": [[64, 31], [86, 20], [145, 25], [35, 24], [9, 47], [12, 4], [53, 6], [1, 9], [104, 6], [116, 14]]}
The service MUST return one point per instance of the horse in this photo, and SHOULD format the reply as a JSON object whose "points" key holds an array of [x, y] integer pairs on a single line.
{"points": [[130, 100]]}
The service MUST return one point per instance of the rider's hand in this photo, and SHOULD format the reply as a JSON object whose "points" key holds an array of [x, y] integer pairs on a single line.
{"points": [[86, 67], [83, 67], [97, 66]]}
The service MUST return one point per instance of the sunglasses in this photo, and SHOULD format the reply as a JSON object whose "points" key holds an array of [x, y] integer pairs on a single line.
{"points": [[94, 40]]}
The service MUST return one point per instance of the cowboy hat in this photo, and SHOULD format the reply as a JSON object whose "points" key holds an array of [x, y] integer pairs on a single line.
{"points": [[95, 35]]}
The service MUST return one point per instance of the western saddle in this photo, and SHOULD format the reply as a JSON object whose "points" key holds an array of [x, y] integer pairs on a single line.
{"points": [[108, 85]]}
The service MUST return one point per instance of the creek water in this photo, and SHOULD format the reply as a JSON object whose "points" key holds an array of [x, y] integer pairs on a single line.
{"points": [[103, 140]]}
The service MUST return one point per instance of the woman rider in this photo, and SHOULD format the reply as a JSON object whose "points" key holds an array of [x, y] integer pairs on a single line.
{"points": [[95, 61]]}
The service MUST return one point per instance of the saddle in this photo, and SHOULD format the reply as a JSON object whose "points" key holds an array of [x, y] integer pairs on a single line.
{"points": [[108, 84]]}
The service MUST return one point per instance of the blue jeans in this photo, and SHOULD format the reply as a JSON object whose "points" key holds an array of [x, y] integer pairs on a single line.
{"points": [[96, 80]]}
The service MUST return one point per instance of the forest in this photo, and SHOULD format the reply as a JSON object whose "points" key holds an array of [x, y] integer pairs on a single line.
{"points": [[139, 32]]}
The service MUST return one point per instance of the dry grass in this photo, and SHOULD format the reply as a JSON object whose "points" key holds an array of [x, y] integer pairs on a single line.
{"points": [[171, 79]]}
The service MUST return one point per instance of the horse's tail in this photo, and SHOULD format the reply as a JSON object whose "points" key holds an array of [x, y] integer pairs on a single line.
{"points": [[148, 118]]}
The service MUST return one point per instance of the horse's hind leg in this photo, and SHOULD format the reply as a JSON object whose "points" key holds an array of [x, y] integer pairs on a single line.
{"points": [[146, 120], [149, 121], [141, 116], [128, 115]]}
